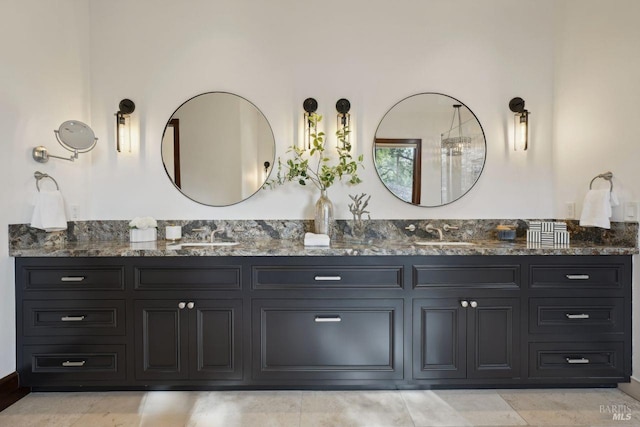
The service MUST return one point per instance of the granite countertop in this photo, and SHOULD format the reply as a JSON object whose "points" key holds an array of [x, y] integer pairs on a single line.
{"points": [[282, 247]]}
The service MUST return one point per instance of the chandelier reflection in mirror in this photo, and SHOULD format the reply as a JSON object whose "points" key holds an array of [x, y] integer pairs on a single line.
{"points": [[455, 145], [461, 162]]}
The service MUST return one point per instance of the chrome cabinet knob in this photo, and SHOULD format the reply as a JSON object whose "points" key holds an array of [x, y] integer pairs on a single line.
{"points": [[474, 304], [464, 304], [182, 305], [190, 305]]}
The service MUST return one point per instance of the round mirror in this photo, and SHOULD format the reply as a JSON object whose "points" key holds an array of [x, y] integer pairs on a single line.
{"points": [[218, 149], [72, 135], [429, 149], [76, 136]]}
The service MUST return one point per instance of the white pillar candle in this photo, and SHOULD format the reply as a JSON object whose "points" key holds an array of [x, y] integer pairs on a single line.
{"points": [[173, 232]]}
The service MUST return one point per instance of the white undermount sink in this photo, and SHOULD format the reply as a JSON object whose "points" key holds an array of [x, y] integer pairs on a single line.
{"points": [[201, 245], [441, 243]]}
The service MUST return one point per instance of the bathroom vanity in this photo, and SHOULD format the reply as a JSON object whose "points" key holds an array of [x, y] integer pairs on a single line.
{"points": [[297, 318]]}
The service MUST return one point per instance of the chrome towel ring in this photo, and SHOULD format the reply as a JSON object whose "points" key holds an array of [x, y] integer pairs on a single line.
{"points": [[606, 176], [39, 175]]}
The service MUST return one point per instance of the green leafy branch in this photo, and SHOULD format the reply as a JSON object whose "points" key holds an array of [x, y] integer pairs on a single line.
{"points": [[313, 165]]}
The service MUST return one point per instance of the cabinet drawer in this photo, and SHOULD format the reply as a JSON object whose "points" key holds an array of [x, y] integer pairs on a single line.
{"points": [[477, 276], [336, 277], [214, 278], [605, 276], [84, 317], [62, 364], [577, 360], [66, 278], [576, 315], [327, 339]]}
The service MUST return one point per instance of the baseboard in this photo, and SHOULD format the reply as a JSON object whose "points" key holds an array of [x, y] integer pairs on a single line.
{"points": [[10, 391], [632, 388]]}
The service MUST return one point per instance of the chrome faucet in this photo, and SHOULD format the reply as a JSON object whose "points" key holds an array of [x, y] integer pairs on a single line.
{"points": [[201, 230], [431, 229], [213, 234], [448, 227]]}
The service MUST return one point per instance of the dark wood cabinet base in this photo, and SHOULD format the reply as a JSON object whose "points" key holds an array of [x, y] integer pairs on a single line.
{"points": [[10, 391], [316, 322]]}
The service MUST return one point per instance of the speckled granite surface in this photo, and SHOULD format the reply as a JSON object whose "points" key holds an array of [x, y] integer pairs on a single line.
{"points": [[274, 247], [285, 237]]}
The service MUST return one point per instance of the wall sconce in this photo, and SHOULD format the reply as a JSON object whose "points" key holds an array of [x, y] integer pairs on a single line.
{"points": [[310, 106], [265, 175], [123, 124], [520, 124], [344, 123], [74, 136]]}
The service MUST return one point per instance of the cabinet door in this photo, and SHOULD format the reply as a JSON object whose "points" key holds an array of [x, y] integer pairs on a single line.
{"points": [[439, 338], [493, 338], [215, 340], [161, 340], [327, 339]]}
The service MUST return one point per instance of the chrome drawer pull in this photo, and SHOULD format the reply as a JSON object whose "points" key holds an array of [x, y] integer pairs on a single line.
{"points": [[72, 318], [582, 360], [72, 279], [76, 364], [319, 319], [327, 278], [577, 316], [577, 276]]}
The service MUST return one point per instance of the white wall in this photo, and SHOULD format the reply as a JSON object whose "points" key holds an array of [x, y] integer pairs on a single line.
{"points": [[44, 80], [597, 88], [373, 52], [278, 53]]}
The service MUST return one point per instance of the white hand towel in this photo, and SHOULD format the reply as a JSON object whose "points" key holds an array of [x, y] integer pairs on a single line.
{"points": [[614, 199], [48, 213], [312, 239], [596, 209]]}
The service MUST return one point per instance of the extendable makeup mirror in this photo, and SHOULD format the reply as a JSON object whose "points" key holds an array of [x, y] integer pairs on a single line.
{"points": [[74, 136]]}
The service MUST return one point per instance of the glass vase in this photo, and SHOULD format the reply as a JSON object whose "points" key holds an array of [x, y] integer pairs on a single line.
{"points": [[323, 219]]}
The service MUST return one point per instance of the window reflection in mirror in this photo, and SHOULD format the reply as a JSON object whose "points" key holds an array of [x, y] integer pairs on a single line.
{"points": [[451, 154], [216, 155], [399, 165]]}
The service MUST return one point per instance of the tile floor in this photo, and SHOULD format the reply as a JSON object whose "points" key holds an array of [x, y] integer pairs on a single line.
{"points": [[543, 407]]}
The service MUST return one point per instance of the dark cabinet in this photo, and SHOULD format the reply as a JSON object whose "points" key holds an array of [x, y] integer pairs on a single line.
{"points": [[73, 317], [579, 320], [70, 364], [327, 339], [574, 360], [200, 339], [72, 328], [576, 315], [322, 321], [466, 338]]}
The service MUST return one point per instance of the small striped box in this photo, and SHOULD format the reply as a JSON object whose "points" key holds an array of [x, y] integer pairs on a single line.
{"points": [[548, 233]]}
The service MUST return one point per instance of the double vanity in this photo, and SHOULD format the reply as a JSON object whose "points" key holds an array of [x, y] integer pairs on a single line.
{"points": [[273, 314], [393, 308]]}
